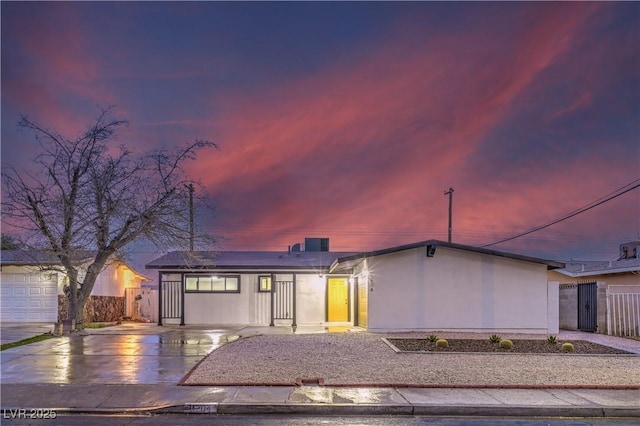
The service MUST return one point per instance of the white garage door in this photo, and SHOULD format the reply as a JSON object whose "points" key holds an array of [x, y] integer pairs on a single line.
{"points": [[29, 298]]}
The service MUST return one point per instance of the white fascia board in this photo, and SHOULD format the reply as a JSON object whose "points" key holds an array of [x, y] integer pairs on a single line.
{"points": [[607, 271]]}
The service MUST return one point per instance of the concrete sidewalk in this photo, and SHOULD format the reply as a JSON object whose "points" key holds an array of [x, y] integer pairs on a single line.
{"points": [[18, 331], [322, 400]]}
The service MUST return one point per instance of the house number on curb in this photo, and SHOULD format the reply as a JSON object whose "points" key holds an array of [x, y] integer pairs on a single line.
{"points": [[202, 408]]}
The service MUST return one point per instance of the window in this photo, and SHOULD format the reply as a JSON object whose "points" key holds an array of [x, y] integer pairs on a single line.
{"points": [[212, 283], [264, 283]]}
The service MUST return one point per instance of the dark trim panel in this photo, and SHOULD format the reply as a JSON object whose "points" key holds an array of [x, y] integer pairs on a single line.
{"points": [[211, 274]]}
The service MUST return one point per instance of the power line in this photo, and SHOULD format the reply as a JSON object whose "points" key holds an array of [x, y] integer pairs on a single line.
{"points": [[615, 194]]}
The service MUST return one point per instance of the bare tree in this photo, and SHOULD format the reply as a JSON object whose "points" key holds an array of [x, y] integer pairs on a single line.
{"points": [[88, 195]]}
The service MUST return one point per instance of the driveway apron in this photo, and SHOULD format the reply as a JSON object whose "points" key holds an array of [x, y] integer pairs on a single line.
{"points": [[127, 354], [14, 332]]}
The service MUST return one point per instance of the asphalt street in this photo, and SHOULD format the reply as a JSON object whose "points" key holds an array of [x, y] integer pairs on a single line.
{"points": [[278, 420]]}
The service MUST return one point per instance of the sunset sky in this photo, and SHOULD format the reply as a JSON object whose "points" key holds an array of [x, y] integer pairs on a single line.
{"points": [[350, 120]]}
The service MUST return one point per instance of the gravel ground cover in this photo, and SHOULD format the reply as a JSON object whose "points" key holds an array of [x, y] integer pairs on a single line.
{"points": [[364, 359], [538, 346]]}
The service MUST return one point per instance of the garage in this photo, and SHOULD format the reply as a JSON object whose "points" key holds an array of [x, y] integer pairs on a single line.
{"points": [[29, 297]]}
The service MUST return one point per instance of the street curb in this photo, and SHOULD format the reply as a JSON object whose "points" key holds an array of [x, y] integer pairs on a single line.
{"points": [[361, 410], [401, 409], [317, 409]]}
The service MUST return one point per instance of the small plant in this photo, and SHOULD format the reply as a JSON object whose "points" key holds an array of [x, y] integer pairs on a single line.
{"points": [[442, 343], [433, 338], [568, 347], [495, 338], [95, 325], [506, 344], [552, 340]]}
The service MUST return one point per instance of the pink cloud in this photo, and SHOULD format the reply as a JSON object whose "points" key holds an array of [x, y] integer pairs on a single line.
{"points": [[342, 123], [362, 149]]}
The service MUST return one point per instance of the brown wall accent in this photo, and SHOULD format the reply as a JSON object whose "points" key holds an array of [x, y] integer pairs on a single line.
{"points": [[97, 308], [602, 307], [568, 307]]}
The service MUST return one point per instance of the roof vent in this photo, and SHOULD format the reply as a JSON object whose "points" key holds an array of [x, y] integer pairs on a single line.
{"points": [[629, 250], [316, 244]]}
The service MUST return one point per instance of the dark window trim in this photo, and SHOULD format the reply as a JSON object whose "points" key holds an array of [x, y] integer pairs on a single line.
{"points": [[260, 277], [225, 276]]}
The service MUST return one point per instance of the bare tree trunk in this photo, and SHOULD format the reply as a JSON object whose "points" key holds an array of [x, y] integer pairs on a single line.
{"points": [[72, 296], [79, 312]]}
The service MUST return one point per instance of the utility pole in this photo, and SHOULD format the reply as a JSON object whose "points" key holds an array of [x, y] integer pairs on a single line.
{"points": [[450, 194], [191, 222]]}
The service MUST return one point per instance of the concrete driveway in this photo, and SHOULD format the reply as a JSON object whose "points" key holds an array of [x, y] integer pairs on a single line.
{"points": [[16, 331], [132, 353]]}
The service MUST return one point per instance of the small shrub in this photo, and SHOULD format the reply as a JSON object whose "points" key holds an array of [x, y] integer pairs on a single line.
{"points": [[95, 325], [433, 338], [442, 343], [495, 338], [506, 344], [568, 347], [552, 340]]}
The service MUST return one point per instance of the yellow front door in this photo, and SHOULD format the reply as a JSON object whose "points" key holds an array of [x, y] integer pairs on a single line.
{"points": [[337, 300]]}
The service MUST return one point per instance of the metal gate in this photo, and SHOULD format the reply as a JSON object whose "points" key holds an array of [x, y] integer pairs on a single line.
{"points": [[623, 311], [588, 306], [283, 301], [171, 299]]}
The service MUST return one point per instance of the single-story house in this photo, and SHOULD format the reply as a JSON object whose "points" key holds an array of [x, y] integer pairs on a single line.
{"points": [[253, 287], [601, 296], [429, 285], [32, 285]]}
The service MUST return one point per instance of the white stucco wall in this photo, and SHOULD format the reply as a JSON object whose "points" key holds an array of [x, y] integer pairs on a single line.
{"points": [[253, 307], [456, 290], [247, 307], [553, 307], [311, 299]]}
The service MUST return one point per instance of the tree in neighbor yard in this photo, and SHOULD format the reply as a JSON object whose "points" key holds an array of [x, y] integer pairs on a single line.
{"points": [[8, 243], [87, 194]]}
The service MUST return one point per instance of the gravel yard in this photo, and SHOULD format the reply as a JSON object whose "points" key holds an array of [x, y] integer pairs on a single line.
{"points": [[364, 359]]}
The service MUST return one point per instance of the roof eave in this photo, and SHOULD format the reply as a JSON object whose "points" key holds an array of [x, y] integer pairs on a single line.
{"points": [[239, 267], [600, 272], [550, 264]]}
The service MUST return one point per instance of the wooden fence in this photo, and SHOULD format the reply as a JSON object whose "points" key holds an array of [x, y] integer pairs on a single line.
{"points": [[141, 304]]}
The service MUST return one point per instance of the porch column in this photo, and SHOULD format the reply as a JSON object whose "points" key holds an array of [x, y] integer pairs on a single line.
{"points": [[159, 298], [553, 307], [294, 325], [182, 293], [273, 300]]}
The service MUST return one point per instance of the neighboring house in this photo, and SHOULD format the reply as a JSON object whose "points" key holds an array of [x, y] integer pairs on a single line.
{"points": [[602, 296], [32, 285], [430, 285]]}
